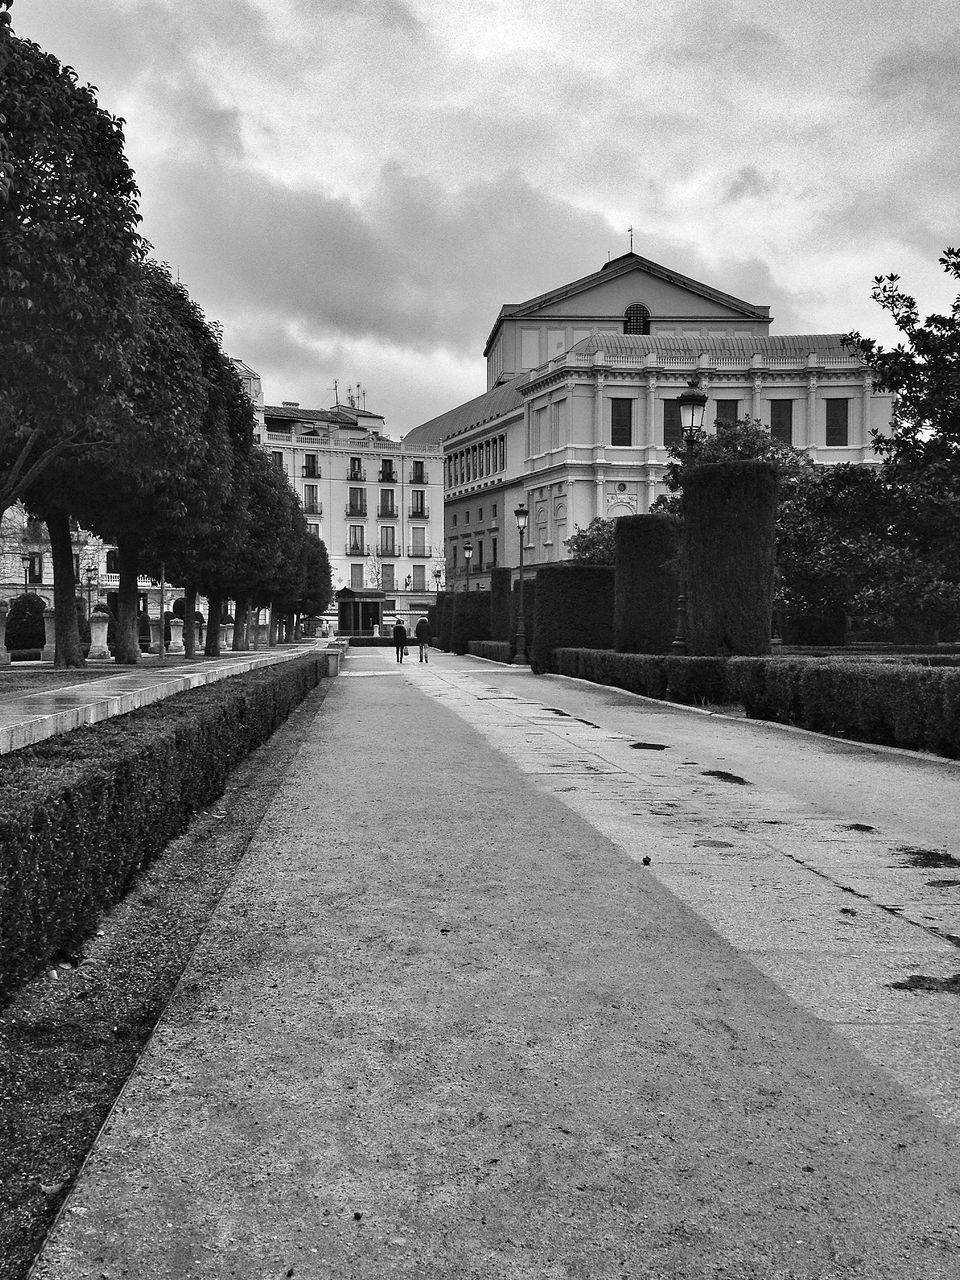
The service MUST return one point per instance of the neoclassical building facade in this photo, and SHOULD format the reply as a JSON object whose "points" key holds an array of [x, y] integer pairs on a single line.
{"points": [[581, 407]]}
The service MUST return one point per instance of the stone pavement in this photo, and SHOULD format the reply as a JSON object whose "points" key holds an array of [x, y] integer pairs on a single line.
{"points": [[26, 718], [449, 1022]]}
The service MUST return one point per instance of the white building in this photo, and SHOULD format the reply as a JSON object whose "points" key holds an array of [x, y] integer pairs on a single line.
{"points": [[581, 406]]}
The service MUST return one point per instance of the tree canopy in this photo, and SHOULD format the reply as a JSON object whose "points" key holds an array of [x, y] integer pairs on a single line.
{"points": [[594, 544]]}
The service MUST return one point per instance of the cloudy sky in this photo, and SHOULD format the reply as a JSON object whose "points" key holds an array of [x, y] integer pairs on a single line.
{"points": [[354, 187]]}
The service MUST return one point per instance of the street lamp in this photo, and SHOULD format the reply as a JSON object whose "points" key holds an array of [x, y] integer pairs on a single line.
{"points": [[468, 556], [692, 404], [521, 514], [437, 575], [25, 560]]}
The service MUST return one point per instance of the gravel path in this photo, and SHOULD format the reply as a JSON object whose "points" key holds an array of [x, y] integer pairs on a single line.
{"points": [[441, 1027]]}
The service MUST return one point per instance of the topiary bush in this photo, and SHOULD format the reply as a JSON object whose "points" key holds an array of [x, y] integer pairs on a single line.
{"points": [[25, 628], [647, 583], [574, 609], [500, 611], [728, 550], [445, 621], [471, 620]]}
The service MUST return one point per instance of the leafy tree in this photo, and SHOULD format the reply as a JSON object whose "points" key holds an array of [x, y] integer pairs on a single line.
{"points": [[594, 544], [68, 243]]}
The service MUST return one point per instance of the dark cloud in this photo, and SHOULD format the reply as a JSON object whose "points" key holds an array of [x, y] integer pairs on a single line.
{"points": [[748, 183], [921, 79]]}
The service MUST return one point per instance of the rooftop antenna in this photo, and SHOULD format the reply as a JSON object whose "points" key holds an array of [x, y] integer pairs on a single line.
{"points": [[630, 230], [336, 392]]}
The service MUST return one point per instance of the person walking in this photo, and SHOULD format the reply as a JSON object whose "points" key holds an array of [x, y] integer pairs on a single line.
{"points": [[424, 636], [400, 639]]}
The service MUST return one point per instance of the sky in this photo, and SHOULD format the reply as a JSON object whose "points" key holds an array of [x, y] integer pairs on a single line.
{"points": [[353, 188]]}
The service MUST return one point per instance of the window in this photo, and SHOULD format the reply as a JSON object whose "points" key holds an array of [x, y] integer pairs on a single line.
{"points": [[387, 507], [418, 537], [453, 557], [419, 577], [486, 458], [781, 420], [419, 477], [671, 424], [479, 553], [728, 413], [837, 423], [493, 551], [313, 529], [388, 581], [356, 539], [277, 457], [454, 520], [356, 469], [113, 562], [466, 517], [388, 540], [479, 514], [356, 577], [636, 319], [311, 503], [76, 569], [555, 424], [387, 473], [358, 502], [494, 511], [418, 501], [539, 419], [311, 466], [621, 422]]}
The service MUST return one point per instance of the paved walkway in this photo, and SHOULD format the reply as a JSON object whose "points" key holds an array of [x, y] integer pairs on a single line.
{"points": [[449, 1022], [26, 718]]}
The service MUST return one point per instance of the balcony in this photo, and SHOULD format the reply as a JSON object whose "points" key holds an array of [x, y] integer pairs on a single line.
{"points": [[420, 553], [357, 473], [389, 553], [351, 550], [388, 477], [419, 513], [310, 473], [387, 513], [313, 508], [355, 512], [418, 476]]}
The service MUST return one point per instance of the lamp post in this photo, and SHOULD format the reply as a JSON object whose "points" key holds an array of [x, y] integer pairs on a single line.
{"points": [[521, 515], [25, 561], [468, 556], [437, 575], [692, 404]]}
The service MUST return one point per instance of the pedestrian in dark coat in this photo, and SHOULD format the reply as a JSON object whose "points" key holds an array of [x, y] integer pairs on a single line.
{"points": [[400, 639], [424, 636]]}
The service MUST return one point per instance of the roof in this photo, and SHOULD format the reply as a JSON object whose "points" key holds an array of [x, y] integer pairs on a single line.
{"points": [[623, 265], [737, 345], [492, 404], [304, 415]]}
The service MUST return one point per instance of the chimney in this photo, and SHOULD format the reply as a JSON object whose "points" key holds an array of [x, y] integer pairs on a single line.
{"points": [[291, 404]]}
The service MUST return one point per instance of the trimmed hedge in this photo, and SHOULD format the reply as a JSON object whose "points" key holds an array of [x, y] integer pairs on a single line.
{"points": [[445, 620], [369, 642], [574, 608], [729, 517], [647, 583], [81, 814], [492, 650], [662, 676], [500, 611], [471, 619]]}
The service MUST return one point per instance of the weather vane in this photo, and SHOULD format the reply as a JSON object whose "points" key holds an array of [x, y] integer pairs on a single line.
{"points": [[630, 230]]}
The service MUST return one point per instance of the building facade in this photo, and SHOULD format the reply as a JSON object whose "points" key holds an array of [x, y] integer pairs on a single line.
{"points": [[581, 408], [376, 503]]}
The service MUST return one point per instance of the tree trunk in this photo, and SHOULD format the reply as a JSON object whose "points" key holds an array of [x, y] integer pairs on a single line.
{"points": [[68, 650], [212, 647], [189, 621], [127, 650], [272, 640], [241, 614]]}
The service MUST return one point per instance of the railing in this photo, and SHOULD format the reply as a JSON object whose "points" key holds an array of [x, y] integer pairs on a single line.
{"points": [[388, 513], [358, 513], [419, 513], [357, 551], [387, 477], [391, 553], [313, 508], [357, 475], [819, 360], [310, 473], [109, 581], [420, 553], [419, 477]]}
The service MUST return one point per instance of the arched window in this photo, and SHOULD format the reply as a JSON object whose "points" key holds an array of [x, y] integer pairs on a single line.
{"points": [[636, 319]]}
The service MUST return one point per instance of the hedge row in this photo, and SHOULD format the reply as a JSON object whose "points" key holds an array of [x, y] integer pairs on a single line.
{"points": [[81, 814], [573, 607], [493, 650], [894, 704]]}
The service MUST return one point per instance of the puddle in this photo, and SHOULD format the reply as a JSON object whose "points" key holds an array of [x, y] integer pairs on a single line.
{"points": [[859, 826], [943, 884], [725, 777], [555, 711], [932, 859], [648, 746], [588, 723], [924, 982], [713, 844]]}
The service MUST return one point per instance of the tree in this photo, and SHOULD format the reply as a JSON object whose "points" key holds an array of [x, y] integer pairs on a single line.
{"points": [[68, 245], [593, 545]]}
